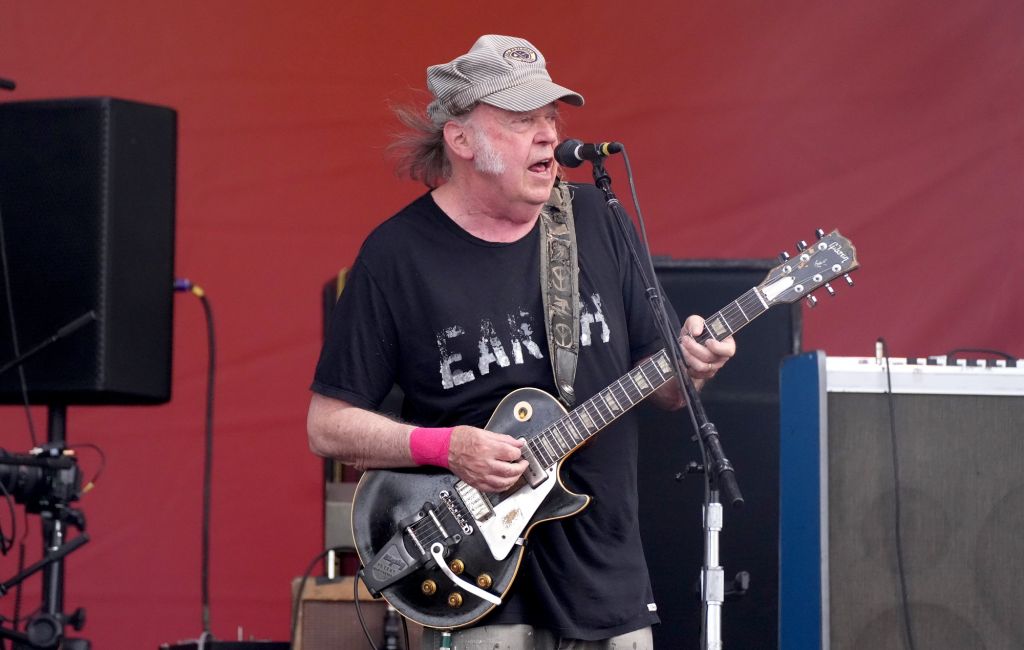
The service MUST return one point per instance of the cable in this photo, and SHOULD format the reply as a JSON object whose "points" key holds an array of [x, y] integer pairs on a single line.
{"points": [[103, 464], [183, 284], [995, 353], [21, 567], [647, 245], [14, 331], [6, 544], [907, 626], [359, 611]]}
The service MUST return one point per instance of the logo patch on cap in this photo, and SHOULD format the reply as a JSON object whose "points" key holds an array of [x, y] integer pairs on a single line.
{"points": [[520, 54]]}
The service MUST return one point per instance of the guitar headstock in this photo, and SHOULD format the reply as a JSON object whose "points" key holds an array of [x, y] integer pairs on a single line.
{"points": [[815, 266]]}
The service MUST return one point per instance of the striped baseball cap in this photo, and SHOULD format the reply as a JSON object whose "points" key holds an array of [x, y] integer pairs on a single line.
{"points": [[502, 71]]}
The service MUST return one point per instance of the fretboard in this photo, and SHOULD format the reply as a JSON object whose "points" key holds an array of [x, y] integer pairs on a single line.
{"points": [[734, 316], [570, 431]]}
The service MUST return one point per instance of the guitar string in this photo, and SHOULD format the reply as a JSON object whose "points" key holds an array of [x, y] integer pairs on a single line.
{"points": [[738, 309], [749, 299], [597, 405], [620, 392]]}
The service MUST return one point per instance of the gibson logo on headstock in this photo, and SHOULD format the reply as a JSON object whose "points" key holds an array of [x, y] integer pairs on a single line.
{"points": [[835, 247]]}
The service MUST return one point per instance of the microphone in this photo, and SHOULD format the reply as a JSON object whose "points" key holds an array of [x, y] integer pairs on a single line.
{"points": [[571, 153]]}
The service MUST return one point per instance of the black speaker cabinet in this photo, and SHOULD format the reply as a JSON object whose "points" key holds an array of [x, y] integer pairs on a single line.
{"points": [[87, 190], [901, 515], [743, 401], [328, 618]]}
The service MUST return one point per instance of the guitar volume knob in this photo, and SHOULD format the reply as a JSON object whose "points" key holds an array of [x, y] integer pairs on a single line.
{"points": [[457, 566], [455, 600], [523, 411], [429, 587], [484, 581]]}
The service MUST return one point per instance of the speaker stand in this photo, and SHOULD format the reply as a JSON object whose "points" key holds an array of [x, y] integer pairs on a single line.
{"points": [[46, 629]]}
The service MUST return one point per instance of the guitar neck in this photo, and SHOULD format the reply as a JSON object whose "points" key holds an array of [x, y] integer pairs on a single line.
{"points": [[570, 431], [734, 316]]}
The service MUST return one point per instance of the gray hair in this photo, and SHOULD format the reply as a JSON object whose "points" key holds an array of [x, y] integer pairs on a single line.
{"points": [[420, 149]]}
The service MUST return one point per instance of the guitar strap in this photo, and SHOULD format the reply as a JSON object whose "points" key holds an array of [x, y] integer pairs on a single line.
{"points": [[559, 281]]}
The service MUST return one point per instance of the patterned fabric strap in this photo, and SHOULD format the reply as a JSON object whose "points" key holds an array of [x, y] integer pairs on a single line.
{"points": [[559, 281]]}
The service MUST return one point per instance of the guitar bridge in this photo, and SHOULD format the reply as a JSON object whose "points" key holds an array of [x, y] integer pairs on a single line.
{"points": [[449, 502]]}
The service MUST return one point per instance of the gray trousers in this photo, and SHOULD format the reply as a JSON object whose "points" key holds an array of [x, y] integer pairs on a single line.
{"points": [[526, 637]]}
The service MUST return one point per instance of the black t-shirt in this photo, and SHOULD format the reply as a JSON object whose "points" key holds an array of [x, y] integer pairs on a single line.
{"points": [[457, 323]]}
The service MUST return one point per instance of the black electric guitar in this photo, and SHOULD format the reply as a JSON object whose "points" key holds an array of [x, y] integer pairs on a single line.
{"points": [[444, 553]]}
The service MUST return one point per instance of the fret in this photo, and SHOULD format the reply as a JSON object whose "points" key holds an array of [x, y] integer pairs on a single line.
{"points": [[574, 428], [596, 407], [754, 305], [640, 381], [630, 397], [630, 400], [609, 399], [588, 422], [544, 450], [718, 326], [754, 308], [559, 430], [664, 366], [742, 313], [564, 443], [652, 376], [632, 382]]}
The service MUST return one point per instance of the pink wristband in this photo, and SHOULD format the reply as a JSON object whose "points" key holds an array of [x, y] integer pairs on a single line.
{"points": [[429, 446]]}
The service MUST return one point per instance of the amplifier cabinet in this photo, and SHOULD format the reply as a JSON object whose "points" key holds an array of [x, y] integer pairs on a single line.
{"points": [[328, 619], [931, 481]]}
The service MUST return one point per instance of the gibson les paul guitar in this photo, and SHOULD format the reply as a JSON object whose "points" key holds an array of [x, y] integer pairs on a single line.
{"points": [[444, 554]]}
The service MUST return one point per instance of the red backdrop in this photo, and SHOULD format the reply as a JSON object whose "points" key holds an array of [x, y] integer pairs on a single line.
{"points": [[748, 125]]}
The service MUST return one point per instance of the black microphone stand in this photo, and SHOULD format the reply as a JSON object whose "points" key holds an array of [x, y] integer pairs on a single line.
{"points": [[718, 471]]}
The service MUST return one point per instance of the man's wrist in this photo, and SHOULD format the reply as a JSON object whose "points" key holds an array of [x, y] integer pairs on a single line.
{"points": [[429, 445]]}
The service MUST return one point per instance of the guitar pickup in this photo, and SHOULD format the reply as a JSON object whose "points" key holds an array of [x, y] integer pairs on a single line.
{"points": [[476, 502], [534, 474]]}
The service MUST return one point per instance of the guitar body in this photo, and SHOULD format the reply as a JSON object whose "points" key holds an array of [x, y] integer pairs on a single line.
{"points": [[387, 502]]}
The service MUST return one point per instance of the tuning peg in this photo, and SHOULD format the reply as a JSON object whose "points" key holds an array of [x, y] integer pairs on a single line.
{"points": [[831, 291], [783, 256], [820, 233], [801, 245], [849, 280], [812, 301]]}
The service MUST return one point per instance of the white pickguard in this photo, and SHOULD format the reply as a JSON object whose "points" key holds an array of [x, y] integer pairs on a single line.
{"points": [[505, 527]]}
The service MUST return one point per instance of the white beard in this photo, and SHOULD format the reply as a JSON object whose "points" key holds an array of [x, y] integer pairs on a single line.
{"points": [[486, 159]]}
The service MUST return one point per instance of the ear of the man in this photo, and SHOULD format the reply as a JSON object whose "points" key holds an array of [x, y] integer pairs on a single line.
{"points": [[459, 140]]}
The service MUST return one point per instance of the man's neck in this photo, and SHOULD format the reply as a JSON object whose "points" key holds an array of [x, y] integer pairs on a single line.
{"points": [[474, 214]]}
